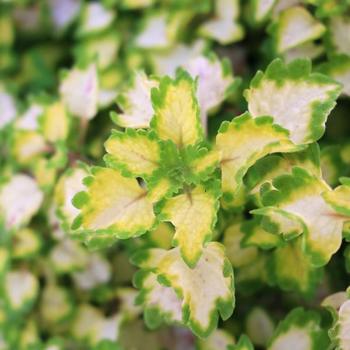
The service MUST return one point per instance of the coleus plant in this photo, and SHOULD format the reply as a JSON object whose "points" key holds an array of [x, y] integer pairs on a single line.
{"points": [[164, 169], [187, 201]]}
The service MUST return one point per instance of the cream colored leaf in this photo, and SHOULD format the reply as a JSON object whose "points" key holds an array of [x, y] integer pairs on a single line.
{"points": [[193, 214], [20, 199]]}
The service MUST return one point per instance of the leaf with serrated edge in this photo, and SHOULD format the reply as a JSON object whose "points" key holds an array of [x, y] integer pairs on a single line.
{"points": [[265, 169], [134, 153], [298, 100], [242, 142], [204, 290], [194, 215], [113, 205], [176, 111], [300, 194], [280, 221]]}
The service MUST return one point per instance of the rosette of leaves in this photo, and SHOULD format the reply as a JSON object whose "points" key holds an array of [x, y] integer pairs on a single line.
{"points": [[162, 174], [159, 174]]}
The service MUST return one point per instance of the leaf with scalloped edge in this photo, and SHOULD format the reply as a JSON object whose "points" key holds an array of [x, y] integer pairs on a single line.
{"points": [[160, 303], [267, 168], [204, 290], [279, 221], [300, 195], [112, 207], [193, 214], [293, 27], [242, 142], [135, 102], [290, 269], [299, 330], [176, 110], [134, 153], [296, 99]]}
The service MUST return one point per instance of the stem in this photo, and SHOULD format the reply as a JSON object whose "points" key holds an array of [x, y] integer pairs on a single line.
{"points": [[84, 124]]}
